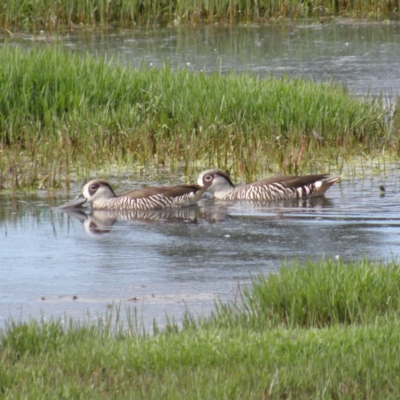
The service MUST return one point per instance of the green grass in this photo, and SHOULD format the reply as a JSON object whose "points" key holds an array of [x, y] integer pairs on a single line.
{"points": [[317, 295], [353, 355], [62, 113], [48, 14]]}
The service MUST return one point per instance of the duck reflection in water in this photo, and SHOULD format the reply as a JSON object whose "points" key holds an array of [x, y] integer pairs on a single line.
{"points": [[98, 222], [101, 221]]}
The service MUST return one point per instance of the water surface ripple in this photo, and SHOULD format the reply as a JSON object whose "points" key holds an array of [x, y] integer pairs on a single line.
{"points": [[56, 263]]}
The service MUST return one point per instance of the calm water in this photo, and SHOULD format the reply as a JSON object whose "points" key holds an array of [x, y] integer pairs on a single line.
{"points": [[54, 263]]}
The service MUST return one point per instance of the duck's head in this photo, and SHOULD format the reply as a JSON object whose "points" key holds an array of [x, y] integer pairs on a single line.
{"points": [[95, 190], [215, 180]]}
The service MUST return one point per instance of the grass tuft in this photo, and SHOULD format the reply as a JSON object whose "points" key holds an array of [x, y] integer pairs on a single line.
{"points": [[317, 295], [60, 111]]}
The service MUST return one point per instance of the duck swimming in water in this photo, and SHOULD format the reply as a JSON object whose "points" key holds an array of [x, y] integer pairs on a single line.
{"points": [[101, 196], [274, 188]]}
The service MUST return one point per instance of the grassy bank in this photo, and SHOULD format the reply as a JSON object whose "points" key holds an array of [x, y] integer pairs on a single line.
{"points": [[342, 342], [16, 14], [59, 111]]}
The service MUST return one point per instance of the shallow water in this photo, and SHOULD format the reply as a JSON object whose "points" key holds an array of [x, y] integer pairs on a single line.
{"points": [[56, 263]]}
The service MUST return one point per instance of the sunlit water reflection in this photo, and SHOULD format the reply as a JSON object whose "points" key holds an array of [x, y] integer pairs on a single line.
{"points": [[59, 263]]}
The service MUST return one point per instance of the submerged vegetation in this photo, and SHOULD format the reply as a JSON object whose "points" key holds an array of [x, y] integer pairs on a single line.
{"points": [[322, 330], [17, 14], [63, 112]]}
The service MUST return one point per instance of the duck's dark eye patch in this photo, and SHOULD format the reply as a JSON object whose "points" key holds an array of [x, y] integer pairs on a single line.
{"points": [[208, 178], [93, 189]]}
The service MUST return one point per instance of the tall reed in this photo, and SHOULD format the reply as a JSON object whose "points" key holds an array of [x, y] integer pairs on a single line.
{"points": [[50, 15]]}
